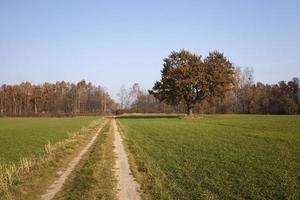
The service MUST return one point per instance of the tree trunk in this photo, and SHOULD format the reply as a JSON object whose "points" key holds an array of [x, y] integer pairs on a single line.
{"points": [[35, 106], [104, 104], [190, 112], [75, 103], [1, 109], [14, 105], [189, 109], [78, 106]]}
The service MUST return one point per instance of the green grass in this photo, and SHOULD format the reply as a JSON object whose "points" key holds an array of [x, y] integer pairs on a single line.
{"points": [[23, 137], [217, 156], [95, 177], [31, 179]]}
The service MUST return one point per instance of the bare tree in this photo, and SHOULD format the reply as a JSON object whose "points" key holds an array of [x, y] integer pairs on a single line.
{"points": [[245, 92], [124, 97]]}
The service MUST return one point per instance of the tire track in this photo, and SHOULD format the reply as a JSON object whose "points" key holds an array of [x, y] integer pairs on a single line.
{"points": [[59, 182], [127, 187]]}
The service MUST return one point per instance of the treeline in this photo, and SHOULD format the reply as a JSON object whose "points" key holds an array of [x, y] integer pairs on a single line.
{"points": [[255, 98], [245, 97], [61, 98]]}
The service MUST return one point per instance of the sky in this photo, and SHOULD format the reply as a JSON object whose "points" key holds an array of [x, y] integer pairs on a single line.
{"points": [[114, 43]]}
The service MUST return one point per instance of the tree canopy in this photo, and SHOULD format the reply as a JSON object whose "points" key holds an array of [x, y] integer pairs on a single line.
{"points": [[186, 79]]}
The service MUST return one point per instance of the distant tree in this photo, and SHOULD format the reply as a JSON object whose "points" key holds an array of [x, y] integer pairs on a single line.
{"points": [[2, 99], [124, 97], [288, 105], [35, 98], [134, 93], [245, 93], [186, 79]]}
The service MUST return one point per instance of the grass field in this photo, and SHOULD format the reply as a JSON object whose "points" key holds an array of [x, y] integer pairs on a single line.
{"points": [[22, 137], [216, 157]]}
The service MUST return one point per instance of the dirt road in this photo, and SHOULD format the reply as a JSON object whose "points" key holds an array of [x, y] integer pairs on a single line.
{"points": [[127, 186], [59, 182]]}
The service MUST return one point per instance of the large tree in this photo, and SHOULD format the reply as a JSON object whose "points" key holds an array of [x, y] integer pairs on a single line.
{"points": [[186, 79]]}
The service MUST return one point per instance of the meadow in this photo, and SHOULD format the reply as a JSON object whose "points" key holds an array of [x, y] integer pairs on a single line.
{"points": [[215, 156], [23, 137]]}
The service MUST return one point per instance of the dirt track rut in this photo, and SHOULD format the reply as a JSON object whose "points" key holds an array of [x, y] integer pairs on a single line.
{"points": [[127, 186], [59, 182]]}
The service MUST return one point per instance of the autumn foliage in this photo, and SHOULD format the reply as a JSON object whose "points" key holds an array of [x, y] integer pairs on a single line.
{"points": [[188, 80], [61, 98]]}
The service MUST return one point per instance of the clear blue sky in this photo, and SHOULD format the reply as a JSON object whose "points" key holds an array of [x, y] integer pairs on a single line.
{"points": [[121, 42]]}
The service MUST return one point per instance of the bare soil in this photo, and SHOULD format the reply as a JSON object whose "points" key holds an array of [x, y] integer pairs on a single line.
{"points": [[128, 188]]}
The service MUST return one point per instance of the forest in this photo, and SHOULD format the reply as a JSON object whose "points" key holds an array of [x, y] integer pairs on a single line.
{"points": [[61, 98]]}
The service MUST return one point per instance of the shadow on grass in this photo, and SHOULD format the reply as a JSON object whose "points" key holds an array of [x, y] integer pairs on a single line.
{"points": [[150, 116]]}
